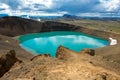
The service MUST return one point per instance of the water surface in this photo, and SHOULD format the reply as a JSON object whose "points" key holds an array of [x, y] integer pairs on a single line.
{"points": [[48, 42]]}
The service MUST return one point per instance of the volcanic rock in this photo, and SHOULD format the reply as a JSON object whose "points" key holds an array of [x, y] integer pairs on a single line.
{"points": [[47, 68], [45, 55], [64, 53], [88, 51], [7, 61]]}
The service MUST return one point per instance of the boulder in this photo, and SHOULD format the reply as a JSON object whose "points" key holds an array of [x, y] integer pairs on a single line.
{"points": [[88, 51], [61, 53], [7, 61], [65, 54]]}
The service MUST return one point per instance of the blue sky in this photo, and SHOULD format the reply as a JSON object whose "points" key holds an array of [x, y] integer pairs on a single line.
{"points": [[61, 6]]}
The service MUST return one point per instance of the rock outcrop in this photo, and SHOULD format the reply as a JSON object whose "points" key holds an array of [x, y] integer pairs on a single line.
{"points": [[88, 51], [61, 53], [7, 61], [65, 54]]}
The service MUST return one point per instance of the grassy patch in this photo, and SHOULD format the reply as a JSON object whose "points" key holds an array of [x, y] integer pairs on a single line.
{"points": [[110, 26]]}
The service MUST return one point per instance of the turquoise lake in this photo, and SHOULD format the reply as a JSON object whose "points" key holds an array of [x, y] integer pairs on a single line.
{"points": [[48, 42]]}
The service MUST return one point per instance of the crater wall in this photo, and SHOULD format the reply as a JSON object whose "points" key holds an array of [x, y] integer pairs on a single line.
{"points": [[15, 26]]}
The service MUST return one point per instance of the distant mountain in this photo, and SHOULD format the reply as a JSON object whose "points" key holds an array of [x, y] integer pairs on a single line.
{"points": [[3, 15], [70, 16]]}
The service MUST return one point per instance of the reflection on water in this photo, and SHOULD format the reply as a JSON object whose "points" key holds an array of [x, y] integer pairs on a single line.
{"points": [[49, 44]]}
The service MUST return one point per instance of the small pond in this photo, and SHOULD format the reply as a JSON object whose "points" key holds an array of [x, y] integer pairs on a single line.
{"points": [[48, 42]]}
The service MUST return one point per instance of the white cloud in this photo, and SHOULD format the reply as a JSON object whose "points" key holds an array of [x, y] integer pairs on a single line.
{"points": [[4, 6], [36, 4], [60, 6], [89, 14], [28, 4], [109, 5]]}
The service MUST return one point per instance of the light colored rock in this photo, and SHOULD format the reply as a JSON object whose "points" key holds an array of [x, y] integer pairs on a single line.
{"points": [[112, 41]]}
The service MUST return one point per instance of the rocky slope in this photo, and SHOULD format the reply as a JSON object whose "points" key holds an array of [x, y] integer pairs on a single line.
{"points": [[13, 26], [8, 43], [68, 65]]}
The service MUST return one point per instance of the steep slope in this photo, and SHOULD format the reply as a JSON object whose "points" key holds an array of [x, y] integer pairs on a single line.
{"points": [[8, 43], [12, 26], [70, 66]]}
